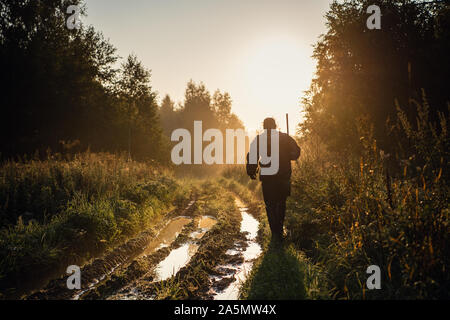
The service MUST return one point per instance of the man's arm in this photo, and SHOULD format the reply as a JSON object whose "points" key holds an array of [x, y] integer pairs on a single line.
{"points": [[252, 169], [294, 149]]}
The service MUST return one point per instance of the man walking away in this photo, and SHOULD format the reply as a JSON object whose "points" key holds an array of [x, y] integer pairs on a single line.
{"points": [[277, 187]]}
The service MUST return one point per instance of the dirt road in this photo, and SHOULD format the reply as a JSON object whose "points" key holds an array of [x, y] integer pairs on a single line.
{"points": [[204, 251]]}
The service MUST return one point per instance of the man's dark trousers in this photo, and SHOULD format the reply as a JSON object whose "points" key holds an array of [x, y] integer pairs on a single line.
{"points": [[275, 192]]}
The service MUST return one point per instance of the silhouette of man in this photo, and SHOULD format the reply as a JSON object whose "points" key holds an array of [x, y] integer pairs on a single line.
{"points": [[277, 187]]}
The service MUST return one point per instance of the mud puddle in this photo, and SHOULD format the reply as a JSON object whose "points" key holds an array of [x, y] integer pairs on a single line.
{"points": [[180, 257], [176, 259], [167, 235], [95, 272], [172, 263], [231, 275], [204, 225], [164, 239]]}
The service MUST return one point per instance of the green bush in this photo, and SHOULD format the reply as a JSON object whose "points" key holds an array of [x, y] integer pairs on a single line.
{"points": [[390, 211], [71, 210]]}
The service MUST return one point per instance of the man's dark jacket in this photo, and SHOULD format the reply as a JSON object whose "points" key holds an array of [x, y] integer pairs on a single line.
{"points": [[277, 186]]}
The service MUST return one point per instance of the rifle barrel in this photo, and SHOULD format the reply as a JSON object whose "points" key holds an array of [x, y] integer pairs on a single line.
{"points": [[287, 123]]}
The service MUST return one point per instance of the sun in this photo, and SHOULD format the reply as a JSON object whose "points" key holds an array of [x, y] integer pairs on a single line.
{"points": [[278, 70]]}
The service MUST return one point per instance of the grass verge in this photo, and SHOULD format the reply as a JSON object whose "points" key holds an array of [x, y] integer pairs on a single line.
{"points": [[60, 212], [281, 272]]}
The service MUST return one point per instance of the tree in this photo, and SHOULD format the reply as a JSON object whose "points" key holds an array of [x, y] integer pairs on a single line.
{"points": [[60, 86], [138, 108], [361, 72], [222, 103], [168, 115], [222, 106], [53, 79], [197, 106]]}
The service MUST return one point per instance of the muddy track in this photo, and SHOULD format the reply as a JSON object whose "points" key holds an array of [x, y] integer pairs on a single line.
{"points": [[95, 271], [224, 257], [193, 256], [232, 273], [192, 281]]}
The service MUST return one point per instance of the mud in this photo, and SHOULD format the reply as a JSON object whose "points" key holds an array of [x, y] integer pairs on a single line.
{"points": [[191, 257], [154, 269], [167, 235], [97, 270], [228, 278], [177, 259], [198, 256]]}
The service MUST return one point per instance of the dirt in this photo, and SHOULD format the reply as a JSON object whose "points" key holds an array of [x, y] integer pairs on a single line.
{"points": [[193, 280], [206, 255], [91, 273]]}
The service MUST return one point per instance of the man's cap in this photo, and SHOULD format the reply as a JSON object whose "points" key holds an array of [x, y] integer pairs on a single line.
{"points": [[269, 123]]}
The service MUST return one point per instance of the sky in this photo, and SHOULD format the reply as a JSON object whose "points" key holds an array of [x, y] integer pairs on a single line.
{"points": [[259, 51]]}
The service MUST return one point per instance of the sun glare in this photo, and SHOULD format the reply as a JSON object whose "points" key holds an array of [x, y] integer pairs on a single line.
{"points": [[278, 71]]}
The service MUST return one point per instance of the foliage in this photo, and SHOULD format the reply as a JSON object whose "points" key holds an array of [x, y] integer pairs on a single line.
{"points": [[352, 215], [214, 112], [61, 90], [58, 211], [372, 185], [360, 72]]}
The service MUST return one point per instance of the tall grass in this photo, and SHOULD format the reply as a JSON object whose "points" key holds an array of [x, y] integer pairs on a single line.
{"points": [[61, 211], [385, 210], [236, 179]]}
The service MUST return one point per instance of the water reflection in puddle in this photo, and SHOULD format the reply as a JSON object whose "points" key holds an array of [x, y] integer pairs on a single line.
{"points": [[205, 224], [232, 291], [180, 257], [249, 226], [177, 259], [167, 235]]}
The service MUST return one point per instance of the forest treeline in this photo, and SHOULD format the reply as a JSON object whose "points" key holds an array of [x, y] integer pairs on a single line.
{"points": [[372, 184], [68, 90], [362, 73]]}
